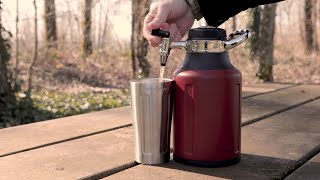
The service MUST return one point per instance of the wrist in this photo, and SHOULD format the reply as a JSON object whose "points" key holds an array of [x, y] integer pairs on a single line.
{"points": [[195, 8]]}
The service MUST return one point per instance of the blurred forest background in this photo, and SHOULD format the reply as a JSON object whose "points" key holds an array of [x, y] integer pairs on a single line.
{"points": [[63, 57]]}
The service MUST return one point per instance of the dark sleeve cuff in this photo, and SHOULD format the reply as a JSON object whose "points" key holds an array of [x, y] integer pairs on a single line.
{"points": [[255, 3], [195, 8], [217, 13]]}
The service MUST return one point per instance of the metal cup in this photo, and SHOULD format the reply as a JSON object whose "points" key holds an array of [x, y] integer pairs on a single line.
{"points": [[151, 105]]}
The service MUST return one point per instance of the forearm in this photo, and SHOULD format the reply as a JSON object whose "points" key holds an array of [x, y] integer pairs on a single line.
{"points": [[222, 11]]}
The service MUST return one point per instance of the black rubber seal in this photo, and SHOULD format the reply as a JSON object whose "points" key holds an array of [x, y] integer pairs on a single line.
{"points": [[208, 164]]}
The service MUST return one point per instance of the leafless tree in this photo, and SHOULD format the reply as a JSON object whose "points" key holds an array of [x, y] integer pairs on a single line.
{"points": [[5, 87], [234, 23], [254, 24], [50, 22], [139, 45], [104, 29], [35, 55], [315, 21], [15, 76], [309, 29], [87, 43], [7, 97], [93, 25], [99, 30], [70, 24], [266, 41]]}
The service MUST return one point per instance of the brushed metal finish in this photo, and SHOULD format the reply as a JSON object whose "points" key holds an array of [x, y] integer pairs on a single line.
{"points": [[164, 51], [203, 46], [151, 105], [237, 38]]}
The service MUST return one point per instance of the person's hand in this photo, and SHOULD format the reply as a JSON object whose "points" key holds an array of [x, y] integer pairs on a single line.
{"points": [[174, 16]]}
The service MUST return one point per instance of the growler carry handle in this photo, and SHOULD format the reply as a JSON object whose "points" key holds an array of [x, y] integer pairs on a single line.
{"points": [[202, 46]]}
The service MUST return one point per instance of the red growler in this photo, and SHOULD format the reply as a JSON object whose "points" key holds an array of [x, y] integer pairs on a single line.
{"points": [[207, 99]]}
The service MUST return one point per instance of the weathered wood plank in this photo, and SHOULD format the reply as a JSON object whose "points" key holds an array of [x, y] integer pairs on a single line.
{"points": [[265, 104], [37, 134], [64, 129], [269, 147], [310, 170], [273, 86], [255, 89], [72, 159]]}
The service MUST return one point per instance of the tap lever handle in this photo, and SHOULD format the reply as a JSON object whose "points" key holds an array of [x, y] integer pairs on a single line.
{"points": [[160, 33]]}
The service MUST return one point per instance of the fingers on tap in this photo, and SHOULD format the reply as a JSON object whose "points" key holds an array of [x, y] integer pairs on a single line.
{"points": [[178, 36], [173, 29], [161, 13]]}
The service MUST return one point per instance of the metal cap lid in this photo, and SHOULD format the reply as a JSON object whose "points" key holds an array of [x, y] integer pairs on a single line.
{"points": [[207, 33]]}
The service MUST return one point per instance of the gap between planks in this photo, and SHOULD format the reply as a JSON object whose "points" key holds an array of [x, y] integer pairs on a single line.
{"points": [[130, 124], [302, 160], [65, 140], [275, 90], [278, 112]]}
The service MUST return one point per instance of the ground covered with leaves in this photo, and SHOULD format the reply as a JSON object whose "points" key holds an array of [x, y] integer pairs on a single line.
{"points": [[45, 105]]}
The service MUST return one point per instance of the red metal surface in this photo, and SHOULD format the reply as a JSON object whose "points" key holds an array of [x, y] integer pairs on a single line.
{"points": [[207, 116]]}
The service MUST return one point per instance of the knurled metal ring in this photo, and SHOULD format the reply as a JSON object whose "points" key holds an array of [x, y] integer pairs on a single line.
{"points": [[202, 46]]}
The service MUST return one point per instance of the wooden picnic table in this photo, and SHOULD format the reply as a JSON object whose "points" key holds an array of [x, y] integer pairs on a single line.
{"points": [[280, 139]]}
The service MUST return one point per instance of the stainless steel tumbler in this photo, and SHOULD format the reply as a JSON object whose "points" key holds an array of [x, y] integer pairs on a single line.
{"points": [[151, 104]]}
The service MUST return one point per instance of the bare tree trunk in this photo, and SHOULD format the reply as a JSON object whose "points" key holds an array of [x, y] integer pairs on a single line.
{"points": [[266, 42], [5, 87], [35, 55], [51, 25], [104, 30], [7, 98], [315, 24], [70, 24], [93, 26], [301, 22], [99, 30], [87, 43], [234, 23], [308, 25], [139, 45], [78, 27], [15, 77], [255, 29]]}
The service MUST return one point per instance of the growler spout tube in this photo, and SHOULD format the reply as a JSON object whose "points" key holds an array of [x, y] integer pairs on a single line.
{"points": [[165, 48], [163, 60], [164, 51], [179, 44]]}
